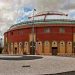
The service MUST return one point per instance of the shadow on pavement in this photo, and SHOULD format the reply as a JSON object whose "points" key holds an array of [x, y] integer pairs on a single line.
{"points": [[64, 73], [21, 58]]}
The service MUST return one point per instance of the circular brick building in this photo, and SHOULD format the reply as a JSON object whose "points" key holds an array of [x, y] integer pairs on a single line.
{"points": [[50, 33]]}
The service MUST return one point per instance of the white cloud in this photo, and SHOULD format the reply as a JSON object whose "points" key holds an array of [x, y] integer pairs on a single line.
{"points": [[9, 13]]}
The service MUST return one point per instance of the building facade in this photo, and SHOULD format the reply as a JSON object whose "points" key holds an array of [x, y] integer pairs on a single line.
{"points": [[50, 37]]}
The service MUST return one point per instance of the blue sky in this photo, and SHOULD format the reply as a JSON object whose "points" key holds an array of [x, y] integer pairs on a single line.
{"points": [[24, 16], [24, 11], [72, 14]]}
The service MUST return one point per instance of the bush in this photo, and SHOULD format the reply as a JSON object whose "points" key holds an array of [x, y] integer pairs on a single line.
{"points": [[1, 50]]}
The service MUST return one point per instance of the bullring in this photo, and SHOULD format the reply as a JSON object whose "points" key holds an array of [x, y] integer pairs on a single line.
{"points": [[54, 34]]}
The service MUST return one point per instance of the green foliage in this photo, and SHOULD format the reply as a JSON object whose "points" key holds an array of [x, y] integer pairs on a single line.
{"points": [[1, 50]]}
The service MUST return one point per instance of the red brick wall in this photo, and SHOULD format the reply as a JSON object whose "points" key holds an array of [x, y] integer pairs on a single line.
{"points": [[17, 36], [40, 35], [54, 34]]}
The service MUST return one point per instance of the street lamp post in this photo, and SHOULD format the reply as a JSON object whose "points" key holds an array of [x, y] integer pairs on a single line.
{"points": [[33, 43]]}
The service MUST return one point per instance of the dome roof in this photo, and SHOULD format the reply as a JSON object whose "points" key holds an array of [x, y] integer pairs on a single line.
{"points": [[45, 18], [49, 16]]}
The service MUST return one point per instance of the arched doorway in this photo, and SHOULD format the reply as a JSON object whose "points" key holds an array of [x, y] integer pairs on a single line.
{"points": [[39, 49], [47, 48], [20, 48], [26, 48], [12, 48], [15, 48], [32, 48], [8, 48], [69, 47], [54, 48], [62, 48]]}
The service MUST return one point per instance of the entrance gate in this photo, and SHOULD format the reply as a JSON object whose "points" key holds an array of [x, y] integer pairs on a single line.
{"points": [[54, 48], [32, 48]]}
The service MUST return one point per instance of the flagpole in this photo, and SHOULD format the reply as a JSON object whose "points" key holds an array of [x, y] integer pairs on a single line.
{"points": [[33, 33]]}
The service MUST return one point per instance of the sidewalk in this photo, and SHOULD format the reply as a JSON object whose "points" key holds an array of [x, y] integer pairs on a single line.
{"points": [[43, 65]]}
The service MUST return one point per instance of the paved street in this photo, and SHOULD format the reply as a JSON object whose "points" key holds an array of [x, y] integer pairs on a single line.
{"points": [[35, 65]]}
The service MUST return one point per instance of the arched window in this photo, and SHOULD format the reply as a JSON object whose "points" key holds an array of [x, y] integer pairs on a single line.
{"points": [[46, 43], [46, 30], [54, 44]]}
